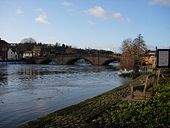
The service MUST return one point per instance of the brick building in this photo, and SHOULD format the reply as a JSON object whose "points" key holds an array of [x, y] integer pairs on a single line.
{"points": [[3, 50], [36, 51]]}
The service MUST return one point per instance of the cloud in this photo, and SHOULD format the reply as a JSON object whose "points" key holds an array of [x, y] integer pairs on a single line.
{"points": [[42, 19], [97, 11], [19, 12], [160, 2], [118, 16], [91, 22], [67, 4]]}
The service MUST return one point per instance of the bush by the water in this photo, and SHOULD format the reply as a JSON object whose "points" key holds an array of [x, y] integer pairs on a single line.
{"points": [[130, 75]]}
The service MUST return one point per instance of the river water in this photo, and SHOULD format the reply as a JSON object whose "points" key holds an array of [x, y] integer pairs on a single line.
{"points": [[31, 91]]}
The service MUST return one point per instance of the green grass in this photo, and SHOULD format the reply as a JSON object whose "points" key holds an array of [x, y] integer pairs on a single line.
{"points": [[126, 75], [151, 114], [130, 75]]}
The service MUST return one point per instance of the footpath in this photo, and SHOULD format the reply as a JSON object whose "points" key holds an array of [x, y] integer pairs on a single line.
{"points": [[108, 110]]}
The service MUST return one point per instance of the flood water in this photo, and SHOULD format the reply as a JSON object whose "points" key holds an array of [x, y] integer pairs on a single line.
{"points": [[31, 91]]}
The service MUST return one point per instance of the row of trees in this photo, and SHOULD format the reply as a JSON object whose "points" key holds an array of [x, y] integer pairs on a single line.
{"points": [[28, 44], [132, 52]]}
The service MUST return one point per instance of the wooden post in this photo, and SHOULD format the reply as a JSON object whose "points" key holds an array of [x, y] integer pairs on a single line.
{"points": [[156, 55]]}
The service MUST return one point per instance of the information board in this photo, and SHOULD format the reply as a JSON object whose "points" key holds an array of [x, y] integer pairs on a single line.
{"points": [[163, 58]]}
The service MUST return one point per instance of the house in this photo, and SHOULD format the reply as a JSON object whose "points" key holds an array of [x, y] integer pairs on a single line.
{"points": [[150, 59], [3, 50], [12, 55], [36, 51], [27, 54], [70, 51]]}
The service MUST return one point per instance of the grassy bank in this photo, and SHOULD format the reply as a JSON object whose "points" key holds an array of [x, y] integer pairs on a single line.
{"points": [[107, 110], [151, 114]]}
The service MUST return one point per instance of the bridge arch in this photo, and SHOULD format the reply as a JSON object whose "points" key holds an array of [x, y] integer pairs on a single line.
{"points": [[107, 62], [74, 60], [46, 61]]}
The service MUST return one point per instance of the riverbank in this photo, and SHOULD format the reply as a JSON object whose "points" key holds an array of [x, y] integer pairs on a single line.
{"points": [[108, 110], [81, 115], [152, 114]]}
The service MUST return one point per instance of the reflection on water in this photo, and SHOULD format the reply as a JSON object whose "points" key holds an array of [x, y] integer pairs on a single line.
{"points": [[30, 91], [3, 78]]}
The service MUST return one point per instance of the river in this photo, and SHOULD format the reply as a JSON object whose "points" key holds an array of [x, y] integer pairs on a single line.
{"points": [[31, 91]]}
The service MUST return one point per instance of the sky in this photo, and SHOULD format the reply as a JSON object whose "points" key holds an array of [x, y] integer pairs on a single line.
{"points": [[100, 24]]}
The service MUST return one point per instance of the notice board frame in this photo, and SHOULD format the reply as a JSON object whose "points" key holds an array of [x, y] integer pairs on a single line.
{"points": [[159, 55]]}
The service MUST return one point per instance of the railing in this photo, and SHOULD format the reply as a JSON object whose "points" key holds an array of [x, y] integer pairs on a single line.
{"points": [[147, 68], [87, 55]]}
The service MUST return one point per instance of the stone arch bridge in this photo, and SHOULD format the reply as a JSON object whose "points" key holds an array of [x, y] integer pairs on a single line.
{"points": [[71, 59]]}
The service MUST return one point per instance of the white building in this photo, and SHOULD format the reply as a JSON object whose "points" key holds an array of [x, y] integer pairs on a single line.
{"points": [[27, 54], [12, 55]]}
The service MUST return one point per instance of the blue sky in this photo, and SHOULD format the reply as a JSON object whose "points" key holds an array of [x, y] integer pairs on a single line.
{"points": [[101, 24]]}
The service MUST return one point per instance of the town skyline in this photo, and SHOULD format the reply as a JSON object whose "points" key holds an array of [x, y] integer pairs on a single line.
{"points": [[82, 24]]}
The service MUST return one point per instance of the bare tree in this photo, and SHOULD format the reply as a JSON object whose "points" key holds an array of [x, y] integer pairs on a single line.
{"points": [[139, 48], [132, 52], [127, 54]]}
